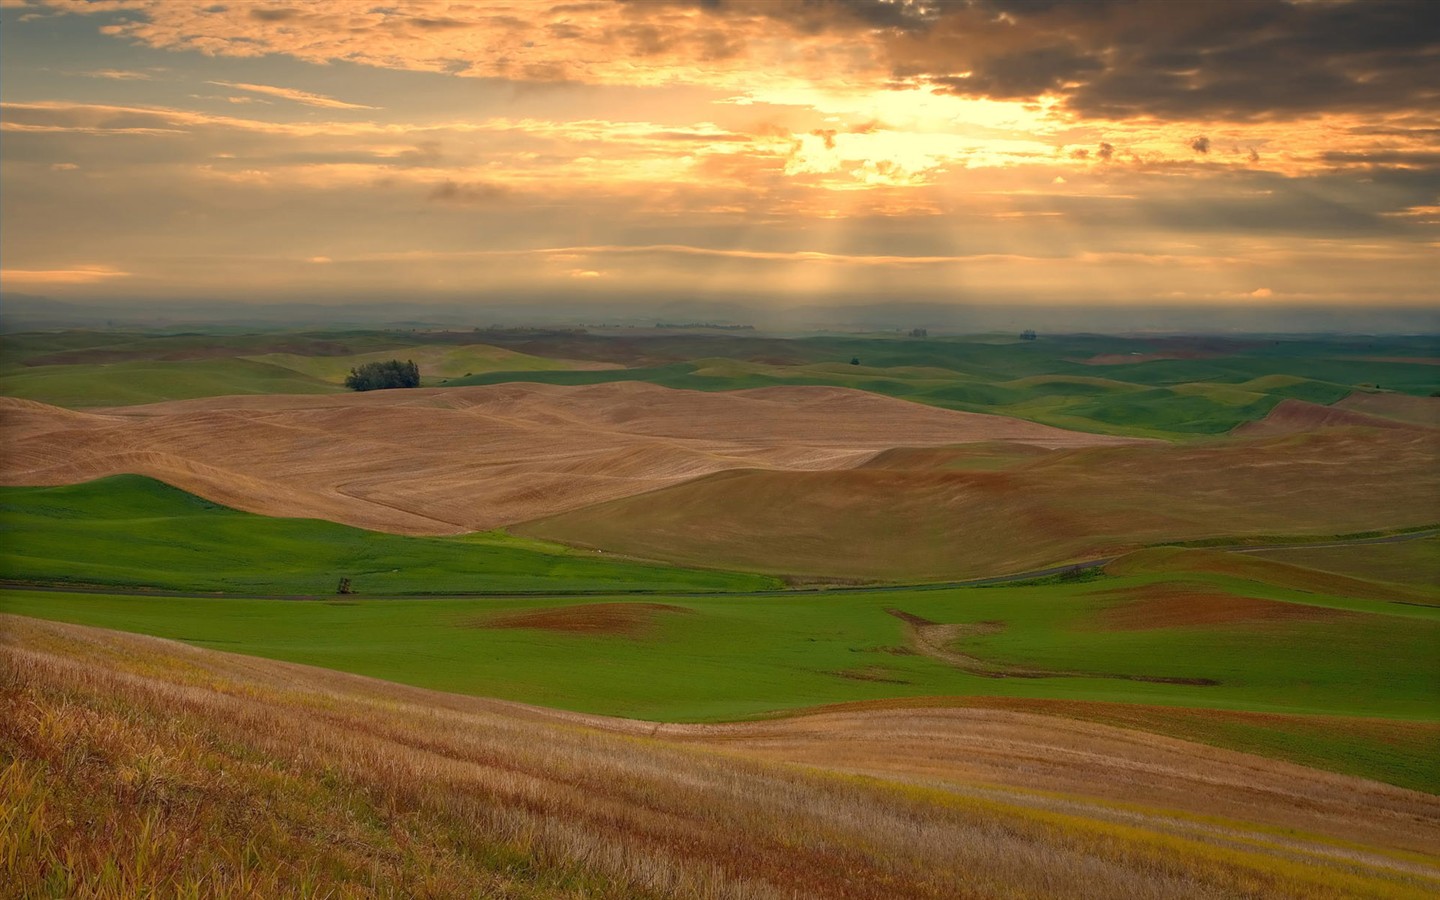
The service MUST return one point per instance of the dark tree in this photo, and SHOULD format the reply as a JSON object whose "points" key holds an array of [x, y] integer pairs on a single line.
{"points": [[855, 361], [377, 376]]}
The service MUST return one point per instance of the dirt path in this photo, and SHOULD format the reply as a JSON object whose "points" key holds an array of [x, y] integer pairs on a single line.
{"points": [[936, 639]]}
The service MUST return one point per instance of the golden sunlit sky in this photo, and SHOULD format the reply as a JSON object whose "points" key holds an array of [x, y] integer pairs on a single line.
{"points": [[1228, 152]]}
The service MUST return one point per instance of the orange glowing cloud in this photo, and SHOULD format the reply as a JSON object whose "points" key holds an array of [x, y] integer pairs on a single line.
{"points": [[74, 275]]}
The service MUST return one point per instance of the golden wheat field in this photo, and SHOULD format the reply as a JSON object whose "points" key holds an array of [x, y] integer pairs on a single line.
{"points": [[447, 461], [147, 767]]}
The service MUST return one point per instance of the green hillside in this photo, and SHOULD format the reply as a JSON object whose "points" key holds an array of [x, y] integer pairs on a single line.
{"points": [[137, 532]]}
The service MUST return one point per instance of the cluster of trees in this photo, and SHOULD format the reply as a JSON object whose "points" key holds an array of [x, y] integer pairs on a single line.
{"points": [[376, 376], [1027, 335]]}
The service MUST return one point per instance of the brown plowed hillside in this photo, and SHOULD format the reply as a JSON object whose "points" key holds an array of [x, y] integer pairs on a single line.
{"points": [[438, 461], [1291, 416], [1182, 561], [1401, 407], [940, 523]]}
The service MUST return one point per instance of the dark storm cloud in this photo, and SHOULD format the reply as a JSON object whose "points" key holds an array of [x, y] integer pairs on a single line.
{"points": [[1022, 75], [1242, 58], [1398, 158], [1174, 59]]}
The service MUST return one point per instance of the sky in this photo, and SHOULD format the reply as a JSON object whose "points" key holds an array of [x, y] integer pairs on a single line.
{"points": [[1246, 154]]}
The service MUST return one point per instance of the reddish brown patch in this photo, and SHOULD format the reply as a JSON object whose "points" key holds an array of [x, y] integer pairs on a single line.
{"points": [[627, 619], [1291, 416], [870, 673], [1125, 359], [1179, 606]]}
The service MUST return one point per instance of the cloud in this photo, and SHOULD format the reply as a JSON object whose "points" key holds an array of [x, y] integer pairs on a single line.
{"points": [[454, 192], [1010, 131], [73, 275], [651, 43], [1258, 59], [304, 97], [119, 75]]}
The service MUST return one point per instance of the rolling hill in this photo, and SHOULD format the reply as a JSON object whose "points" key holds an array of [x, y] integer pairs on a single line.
{"points": [[918, 516], [334, 784], [446, 461]]}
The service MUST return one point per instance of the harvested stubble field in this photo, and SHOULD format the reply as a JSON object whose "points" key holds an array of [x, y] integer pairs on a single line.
{"points": [[133, 764], [928, 515], [446, 461]]}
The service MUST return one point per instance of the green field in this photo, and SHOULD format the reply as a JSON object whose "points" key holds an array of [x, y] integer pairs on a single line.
{"points": [[136, 532], [148, 381], [718, 658], [93, 369], [437, 364], [1046, 381]]}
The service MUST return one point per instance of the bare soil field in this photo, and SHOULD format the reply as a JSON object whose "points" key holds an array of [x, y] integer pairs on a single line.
{"points": [[629, 619], [1402, 407], [446, 461], [337, 784], [1291, 568], [1180, 605], [1297, 416], [1411, 563]]}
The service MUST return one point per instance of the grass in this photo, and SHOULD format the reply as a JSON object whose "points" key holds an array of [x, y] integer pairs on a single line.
{"points": [[437, 363], [147, 381], [738, 657], [1408, 562], [95, 369], [1410, 587], [130, 767], [132, 531]]}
